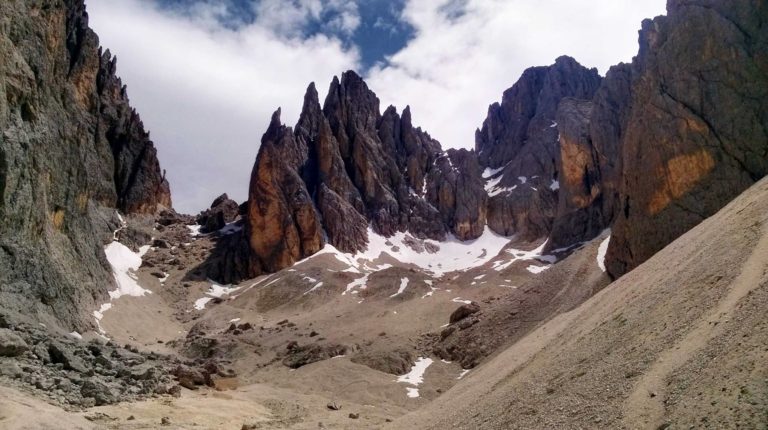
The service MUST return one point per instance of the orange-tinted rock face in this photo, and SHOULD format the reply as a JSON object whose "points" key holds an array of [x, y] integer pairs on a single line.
{"points": [[344, 168], [520, 136], [283, 226], [580, 215], [696, 136]]}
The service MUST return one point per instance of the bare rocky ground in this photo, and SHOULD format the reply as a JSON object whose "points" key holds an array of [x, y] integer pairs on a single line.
{"points": [[680, 342], [677, 343], [278, 350]]}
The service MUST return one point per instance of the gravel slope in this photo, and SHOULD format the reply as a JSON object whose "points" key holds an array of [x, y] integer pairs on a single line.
{"points": [[681, 341]]}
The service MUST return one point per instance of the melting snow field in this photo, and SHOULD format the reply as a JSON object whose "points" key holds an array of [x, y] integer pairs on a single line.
{"points": [[124, 263], [200, 303], [451, 255], [416, 376]]}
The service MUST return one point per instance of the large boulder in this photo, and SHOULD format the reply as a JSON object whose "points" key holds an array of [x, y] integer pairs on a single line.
{"points": [[223, 211], [11, 344]]}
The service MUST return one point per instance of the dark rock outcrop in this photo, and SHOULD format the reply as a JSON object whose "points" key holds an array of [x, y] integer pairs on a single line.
{"points": [[580, 213], [346, 166], [696, 135], [71, 151], [463, 312], [518, 145], [223, 211]]}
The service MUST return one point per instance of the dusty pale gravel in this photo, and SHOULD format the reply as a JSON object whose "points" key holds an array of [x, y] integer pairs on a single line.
{"points": [[681, 342]]}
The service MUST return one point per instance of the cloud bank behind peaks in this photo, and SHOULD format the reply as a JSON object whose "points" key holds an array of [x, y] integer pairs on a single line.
{"points": [[466, 52], [206, 91], [207, 74]]}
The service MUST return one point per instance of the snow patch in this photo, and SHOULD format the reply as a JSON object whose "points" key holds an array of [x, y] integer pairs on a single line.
{"points": [[489, 173], [412, 392], [416, 375], [459, 300], [219, 291], [76, 335], [200, 303], [359, 282], [194, 230], [601, 251], [463, 373], [555, 185], [403, 285], [522, 179], [520, 255], [230, 228], [536, 269], [215, 292], [124, 264]]}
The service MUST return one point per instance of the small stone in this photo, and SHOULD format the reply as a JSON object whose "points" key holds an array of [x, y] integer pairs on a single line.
{"points": [[175, 391], [334, 406], [131, 418], [354, 416], [165, 421]]}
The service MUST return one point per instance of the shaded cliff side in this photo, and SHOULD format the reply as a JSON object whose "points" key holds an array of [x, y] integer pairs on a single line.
{"points": [[695, 136], [71, 151]]}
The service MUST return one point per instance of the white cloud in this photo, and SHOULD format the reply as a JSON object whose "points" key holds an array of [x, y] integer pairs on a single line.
{"points": [[292, 18], [466, 53], [206, 92]]}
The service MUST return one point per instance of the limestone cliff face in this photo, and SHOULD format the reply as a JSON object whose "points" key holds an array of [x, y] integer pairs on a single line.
{"points": [[345, 166], [71, 150], [518, 144], [650, 150], [696, 134]]}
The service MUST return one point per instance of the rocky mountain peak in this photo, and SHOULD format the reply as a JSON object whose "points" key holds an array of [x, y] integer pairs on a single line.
{"points": [[518, 145]]}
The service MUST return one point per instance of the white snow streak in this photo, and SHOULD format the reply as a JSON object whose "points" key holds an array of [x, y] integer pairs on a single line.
{"points": [[403, 285], [519, 255], [601, 251]]}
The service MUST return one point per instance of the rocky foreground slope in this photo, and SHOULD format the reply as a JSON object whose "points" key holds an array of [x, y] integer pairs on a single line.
{"points": [[679, 342], [72, 151]]}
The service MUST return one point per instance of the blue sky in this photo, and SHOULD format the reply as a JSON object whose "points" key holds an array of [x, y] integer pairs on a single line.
{"points": [[206, 75], [379, 32]]}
